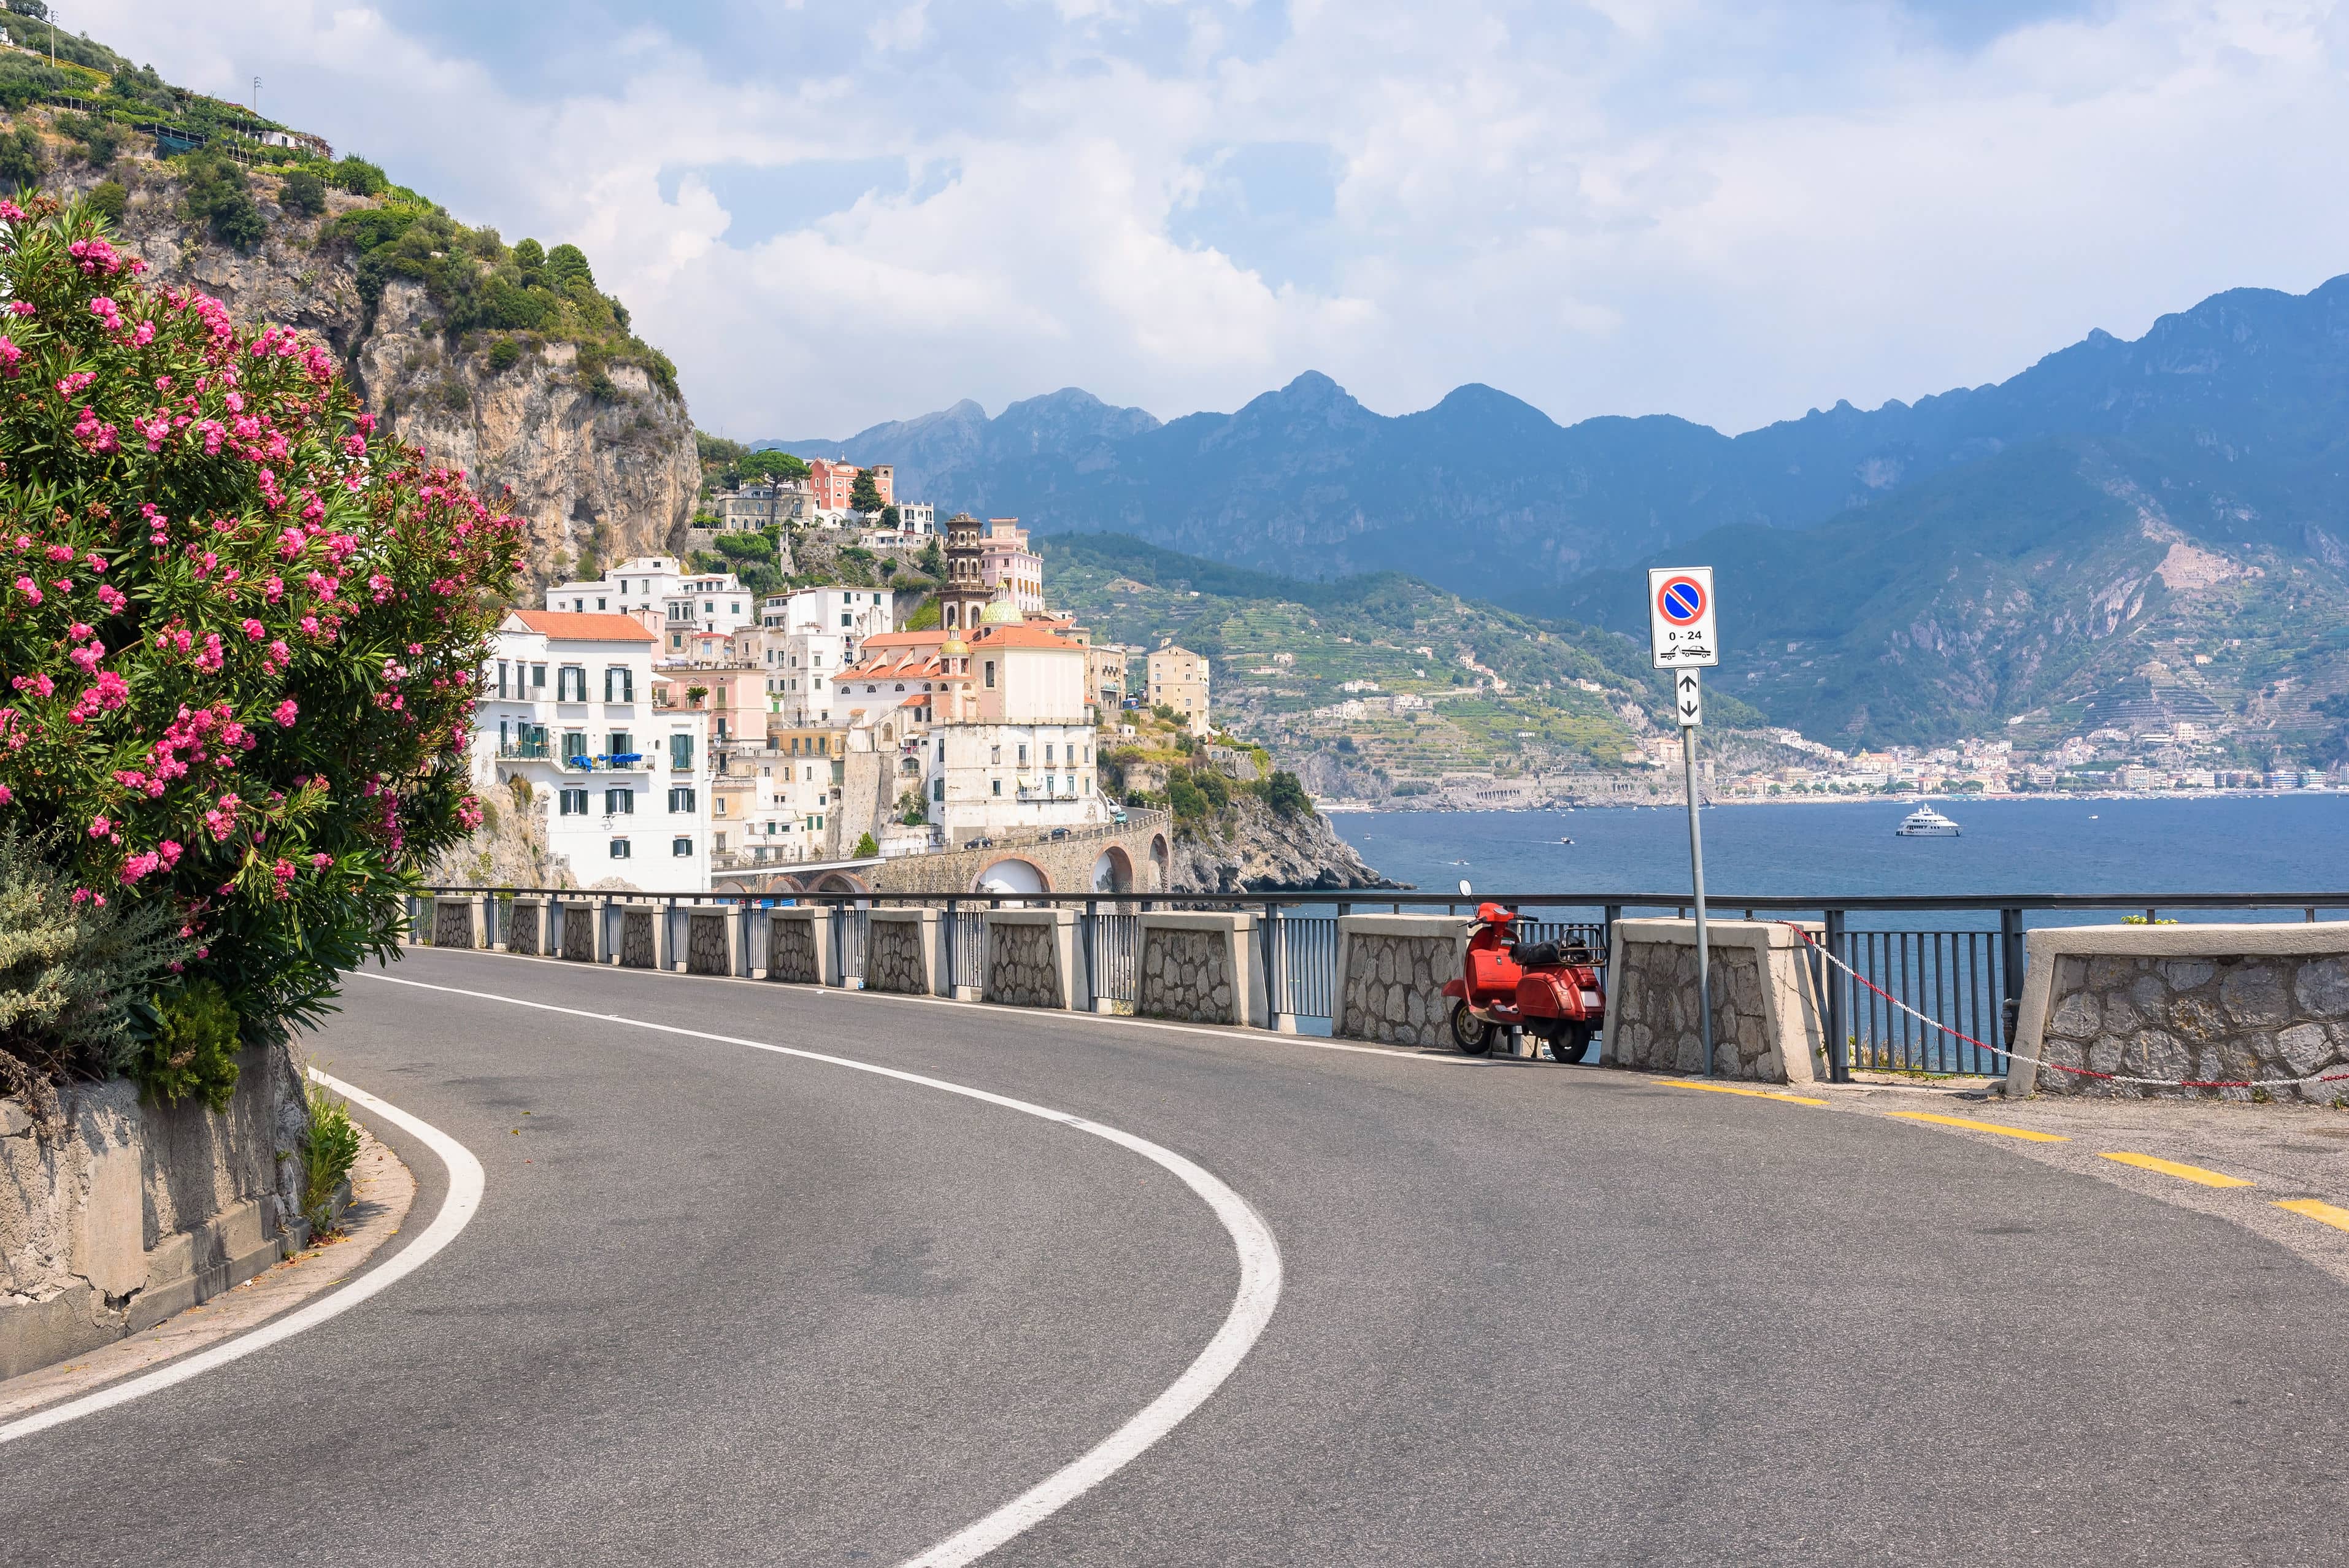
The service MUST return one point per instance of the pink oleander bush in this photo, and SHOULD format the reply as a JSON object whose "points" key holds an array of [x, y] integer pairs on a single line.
{"points": [[242, 629]]}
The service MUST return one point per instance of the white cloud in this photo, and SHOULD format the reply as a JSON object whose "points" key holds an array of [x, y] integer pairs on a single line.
{"points": [[1728, 210]]}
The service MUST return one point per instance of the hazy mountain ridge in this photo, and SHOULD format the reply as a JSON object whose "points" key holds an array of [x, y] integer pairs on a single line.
{"points": [[1485, 493], [1979, 556]]}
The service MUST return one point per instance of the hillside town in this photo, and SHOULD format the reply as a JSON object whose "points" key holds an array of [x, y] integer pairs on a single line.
{"points": [[674, 726]]}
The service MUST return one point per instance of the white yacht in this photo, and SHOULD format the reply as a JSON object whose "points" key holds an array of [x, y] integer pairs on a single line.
{"points": [[1925, 822]]}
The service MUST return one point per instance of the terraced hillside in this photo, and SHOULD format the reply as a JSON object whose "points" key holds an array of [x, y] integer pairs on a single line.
{"points": [[1378, 681]]}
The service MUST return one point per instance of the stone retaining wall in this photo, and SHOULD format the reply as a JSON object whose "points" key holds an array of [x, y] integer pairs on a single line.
{"points": [[1767, 1009], [2188, 1003], [128, 1213], [1391, 974]]}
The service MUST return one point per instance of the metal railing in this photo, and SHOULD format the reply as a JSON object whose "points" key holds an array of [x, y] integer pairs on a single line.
{"points": [[1956, 960]]}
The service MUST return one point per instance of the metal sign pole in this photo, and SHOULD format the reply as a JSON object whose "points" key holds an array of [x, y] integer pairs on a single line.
{"points": [[1682, 637], [1687, 683]]}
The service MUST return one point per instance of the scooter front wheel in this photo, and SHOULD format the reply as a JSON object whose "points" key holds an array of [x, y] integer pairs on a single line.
{"points": [[1472, 1033]]}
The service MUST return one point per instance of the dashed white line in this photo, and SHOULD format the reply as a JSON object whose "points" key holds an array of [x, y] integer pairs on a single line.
{"points": [[1252, 1305]]}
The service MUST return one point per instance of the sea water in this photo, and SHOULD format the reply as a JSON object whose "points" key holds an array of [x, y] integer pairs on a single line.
{"points": [[2295, 843]]}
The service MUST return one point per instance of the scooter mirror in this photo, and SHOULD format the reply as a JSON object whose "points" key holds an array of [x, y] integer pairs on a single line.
{"points": [[1464, 887]]}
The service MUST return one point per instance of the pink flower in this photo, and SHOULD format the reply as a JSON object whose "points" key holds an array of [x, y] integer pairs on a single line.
{"points": [[25, 586], [9, 354], [254, 630], [286, 711], [72, 384], [112, 598], [99, 827], [320, 862], [6, 794]]}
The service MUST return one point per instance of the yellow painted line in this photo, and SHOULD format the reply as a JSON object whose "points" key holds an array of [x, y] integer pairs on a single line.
{"points": [[2183, 1172], [2318, 1209], [1733, 1088], [2023, 1132]]}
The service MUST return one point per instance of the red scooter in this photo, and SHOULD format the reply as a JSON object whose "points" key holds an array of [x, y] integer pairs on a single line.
{"points": [[1549, 988]]}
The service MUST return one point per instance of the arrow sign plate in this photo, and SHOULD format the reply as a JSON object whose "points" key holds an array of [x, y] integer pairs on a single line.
{"points": [[1688, 701], [1680, 617]]}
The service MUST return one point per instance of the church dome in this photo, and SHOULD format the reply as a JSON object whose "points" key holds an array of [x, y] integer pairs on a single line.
{"points": [[955, 647], [1000, 613]]}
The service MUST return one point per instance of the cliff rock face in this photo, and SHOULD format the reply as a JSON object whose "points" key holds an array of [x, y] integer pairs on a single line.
{"points": [[1266, 853], [617, 472]]}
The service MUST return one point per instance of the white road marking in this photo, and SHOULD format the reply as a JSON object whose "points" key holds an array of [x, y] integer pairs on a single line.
{"points": [[466, 1182], [1252, 1303], [1061, 1014]]}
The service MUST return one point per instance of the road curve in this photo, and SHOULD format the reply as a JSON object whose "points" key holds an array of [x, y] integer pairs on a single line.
{"points": [[725, 1305]]}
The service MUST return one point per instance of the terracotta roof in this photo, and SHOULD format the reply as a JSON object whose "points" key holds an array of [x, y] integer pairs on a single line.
{"points": [[929, 639], [1010, 636], [575, 626]]}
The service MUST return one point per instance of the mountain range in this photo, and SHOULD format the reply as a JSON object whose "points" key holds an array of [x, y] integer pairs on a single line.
{"points": [[2123, 534]]}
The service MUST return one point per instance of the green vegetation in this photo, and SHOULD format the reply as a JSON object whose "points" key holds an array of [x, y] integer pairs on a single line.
{"points": [[483, 286], [866, 845], [76, 978], [865, 495], [22, 160], [192, 1054], [218, 196], [329, 1149], [302, 193], [1285, 650], [108, 198]]}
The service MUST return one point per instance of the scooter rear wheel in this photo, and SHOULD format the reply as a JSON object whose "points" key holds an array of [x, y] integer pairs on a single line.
{"points": [[1472, 1033], [1571, 1042]]}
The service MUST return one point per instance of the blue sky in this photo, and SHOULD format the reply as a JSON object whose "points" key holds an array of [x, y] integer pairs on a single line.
{"points": [[1732, 210]]}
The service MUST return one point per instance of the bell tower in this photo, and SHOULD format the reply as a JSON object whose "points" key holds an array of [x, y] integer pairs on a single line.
{"points": [[962, 596]]}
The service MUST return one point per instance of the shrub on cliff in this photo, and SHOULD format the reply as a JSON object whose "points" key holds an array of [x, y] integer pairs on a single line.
{"points": [[241, 630]]}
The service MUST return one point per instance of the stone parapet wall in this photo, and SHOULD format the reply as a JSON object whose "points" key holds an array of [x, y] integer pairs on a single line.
{"points": [[126, 1213], [899, 949], [642, 938], [1768, 1009], [710, 941], [525, 921], [798, 945], [2197, 1004], [1031, 958], [1392, 969], [454, 922], [579, 943], [1200, 968]]}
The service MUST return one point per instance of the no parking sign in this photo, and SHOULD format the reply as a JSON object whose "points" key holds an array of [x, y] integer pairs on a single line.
{"points": [[1680, 617]]}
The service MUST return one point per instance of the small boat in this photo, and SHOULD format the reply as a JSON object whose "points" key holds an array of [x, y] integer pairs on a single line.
{"points": [[1925, 822], [1566, 841]]}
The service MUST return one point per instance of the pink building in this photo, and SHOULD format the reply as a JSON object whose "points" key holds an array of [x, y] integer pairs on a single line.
{"points": [[830, 483], [1006, 562]]}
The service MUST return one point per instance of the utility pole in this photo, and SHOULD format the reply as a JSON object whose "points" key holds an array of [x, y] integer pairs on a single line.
{"points": [[1689, 710]]}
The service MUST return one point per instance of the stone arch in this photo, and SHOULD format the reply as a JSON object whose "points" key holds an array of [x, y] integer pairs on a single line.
{"points": [[1012, 875], [839, 881], [1161, 862], [1113, 870]]}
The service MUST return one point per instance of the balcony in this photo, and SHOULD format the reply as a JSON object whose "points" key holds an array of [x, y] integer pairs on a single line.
{"points": [[525, 751], [607, 762]]}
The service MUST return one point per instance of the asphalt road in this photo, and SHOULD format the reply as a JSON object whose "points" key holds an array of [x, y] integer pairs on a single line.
{"points": [[722, 1305]]}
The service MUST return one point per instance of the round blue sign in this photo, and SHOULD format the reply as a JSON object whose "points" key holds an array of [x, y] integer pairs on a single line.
{"points": [[1682, 602]]}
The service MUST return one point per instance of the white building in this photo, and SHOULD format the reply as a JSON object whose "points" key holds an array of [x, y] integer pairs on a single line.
{"points": [[708, 602], [918, 518], [641, 583], [806, 639], [567, 708]]}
